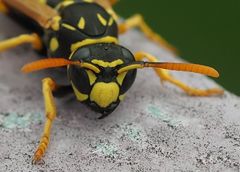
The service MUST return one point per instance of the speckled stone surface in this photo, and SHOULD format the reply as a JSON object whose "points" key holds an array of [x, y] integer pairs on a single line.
{"points": [[156, 128]]}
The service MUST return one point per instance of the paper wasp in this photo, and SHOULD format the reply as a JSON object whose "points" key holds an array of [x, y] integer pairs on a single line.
{"points": [[82, 37]]}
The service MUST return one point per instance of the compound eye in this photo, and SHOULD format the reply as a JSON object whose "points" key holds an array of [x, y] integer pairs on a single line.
{"points": [[128, 56], [82, 53]]}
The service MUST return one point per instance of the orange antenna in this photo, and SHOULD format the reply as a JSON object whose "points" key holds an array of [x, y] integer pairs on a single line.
{"points": [[47, 63], [56, 62], [196, 68]]}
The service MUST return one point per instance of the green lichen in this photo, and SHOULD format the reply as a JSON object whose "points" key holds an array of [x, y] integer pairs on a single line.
{"points": [[106, 149], [15, 120], [157, 113], [132, 132]]}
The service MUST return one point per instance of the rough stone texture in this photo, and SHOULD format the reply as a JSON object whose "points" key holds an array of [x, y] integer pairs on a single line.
{"points": [[157, 128]]}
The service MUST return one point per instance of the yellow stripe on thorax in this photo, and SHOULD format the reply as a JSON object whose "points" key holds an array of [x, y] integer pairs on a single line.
{"points": [[102, 20], [82, 23], [64, 4], [107, 39], [69, 27]]}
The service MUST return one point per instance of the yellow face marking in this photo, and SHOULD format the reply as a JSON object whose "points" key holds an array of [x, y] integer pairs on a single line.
{"points": [[107, 64], [130, 67], [92, 77], [102, 20], [80, 96], [56, 23], [121, 77], [111, 21], [90, 66], [107, 39], [81, 23], [104, 93], [54, 44], [67, 26], [122, 97]]}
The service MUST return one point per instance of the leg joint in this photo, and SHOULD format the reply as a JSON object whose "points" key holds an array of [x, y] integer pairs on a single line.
{"points": [[49, 83], [51, 115]]}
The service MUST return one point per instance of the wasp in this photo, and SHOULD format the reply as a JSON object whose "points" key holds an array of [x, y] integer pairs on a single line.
{"points": [[81, 36]]}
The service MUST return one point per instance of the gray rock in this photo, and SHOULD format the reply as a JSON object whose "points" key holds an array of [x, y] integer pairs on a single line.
{"points": [[156, 128]]}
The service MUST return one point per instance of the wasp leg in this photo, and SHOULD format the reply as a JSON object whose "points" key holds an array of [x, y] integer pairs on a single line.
{"points": [[108, 5], [137, 21], [33, 39], [3, 8], [48, 86], [110, 2], [165, 76], [113, 2]]}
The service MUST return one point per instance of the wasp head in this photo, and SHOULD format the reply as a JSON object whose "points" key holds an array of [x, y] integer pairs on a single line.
{"points": [[97, 82]]}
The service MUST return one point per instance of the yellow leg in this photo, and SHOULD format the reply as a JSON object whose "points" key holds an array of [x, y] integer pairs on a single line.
{"points": [[113, 2], [137, 21], [165, 76], [108, 4], [33, 39], [49, 86]]}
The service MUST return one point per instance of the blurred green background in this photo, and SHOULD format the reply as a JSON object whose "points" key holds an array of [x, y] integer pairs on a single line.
{"points": [[205, 32]]}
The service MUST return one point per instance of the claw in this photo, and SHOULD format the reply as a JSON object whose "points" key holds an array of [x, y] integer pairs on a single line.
{"points": [[38, 161]]}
